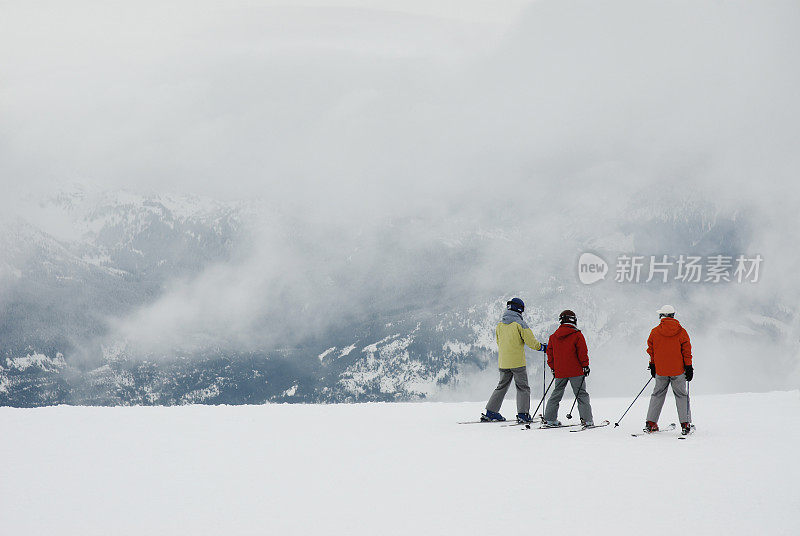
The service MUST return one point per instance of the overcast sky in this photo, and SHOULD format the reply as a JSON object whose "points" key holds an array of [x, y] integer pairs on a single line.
{"points": [[389, 102]]}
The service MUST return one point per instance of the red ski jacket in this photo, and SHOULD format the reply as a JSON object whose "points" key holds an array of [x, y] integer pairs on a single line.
{"points": [[669, 347], [566, 352]]}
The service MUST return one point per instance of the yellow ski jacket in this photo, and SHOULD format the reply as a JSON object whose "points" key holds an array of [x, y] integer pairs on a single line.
{"points": [[512, 334]]}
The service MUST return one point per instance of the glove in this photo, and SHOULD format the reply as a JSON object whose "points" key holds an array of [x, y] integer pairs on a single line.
{"points": [[544, 347], [585, 371], [689, 371], [652, 367]]}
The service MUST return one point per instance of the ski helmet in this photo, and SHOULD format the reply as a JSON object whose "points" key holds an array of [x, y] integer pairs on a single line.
{"points": [[515, 304], [666, 311], [567, 317]]}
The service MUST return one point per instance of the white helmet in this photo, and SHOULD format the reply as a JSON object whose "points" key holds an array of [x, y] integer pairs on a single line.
{"points": [[666, 310]]}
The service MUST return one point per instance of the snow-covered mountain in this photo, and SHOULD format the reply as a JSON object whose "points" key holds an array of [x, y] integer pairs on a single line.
{"points": [[85, 275]]}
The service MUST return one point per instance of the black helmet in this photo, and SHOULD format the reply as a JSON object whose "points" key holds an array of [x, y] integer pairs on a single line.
{"points": [[567, 317], [515, 304]]}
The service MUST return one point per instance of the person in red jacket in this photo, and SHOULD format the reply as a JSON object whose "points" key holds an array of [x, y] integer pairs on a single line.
{"points": [[568, 358], [670, 364]]}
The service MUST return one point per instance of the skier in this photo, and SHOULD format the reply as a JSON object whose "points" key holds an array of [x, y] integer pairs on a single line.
{"points": [[512, 334], [568, 359], [670, 364]]}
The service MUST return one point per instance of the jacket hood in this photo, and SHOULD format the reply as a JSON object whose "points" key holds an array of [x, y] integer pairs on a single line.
{"points": [[565, 330], [669, 327], [510, 316]]}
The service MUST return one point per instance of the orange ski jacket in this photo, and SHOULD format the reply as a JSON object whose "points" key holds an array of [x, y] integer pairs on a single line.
{"points": [[669, 347]]}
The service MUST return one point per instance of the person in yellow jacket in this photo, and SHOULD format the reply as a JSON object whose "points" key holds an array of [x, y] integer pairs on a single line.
{"points": [[512, 335]]}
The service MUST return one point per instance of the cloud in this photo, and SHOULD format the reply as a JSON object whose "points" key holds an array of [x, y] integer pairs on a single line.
{"points": [[377, 138]]}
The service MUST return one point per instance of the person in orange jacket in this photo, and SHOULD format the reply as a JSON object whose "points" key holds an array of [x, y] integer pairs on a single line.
{"points": [[670, 364]]}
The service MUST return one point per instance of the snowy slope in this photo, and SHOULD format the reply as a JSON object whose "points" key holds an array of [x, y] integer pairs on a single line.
{"points": [[397, 469]]}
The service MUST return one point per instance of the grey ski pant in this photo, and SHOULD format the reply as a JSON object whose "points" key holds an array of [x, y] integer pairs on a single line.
{"points": [[660, 393], [520, 376], [579, 388]]}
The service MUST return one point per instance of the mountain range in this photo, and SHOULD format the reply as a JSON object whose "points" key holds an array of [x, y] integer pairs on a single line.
{"points": [[78, 266]]}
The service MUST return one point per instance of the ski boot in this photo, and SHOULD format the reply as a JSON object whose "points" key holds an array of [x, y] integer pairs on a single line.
{"points": [[491, 416], [650, 427], [552, 424], [586, 424], [524, 418], [686, 428]]}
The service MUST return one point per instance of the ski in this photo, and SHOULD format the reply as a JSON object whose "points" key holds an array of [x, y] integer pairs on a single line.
{"points": [[604, 423], [484, 422], [507, 422], [528, 427], [667, 429], [536, 420]]}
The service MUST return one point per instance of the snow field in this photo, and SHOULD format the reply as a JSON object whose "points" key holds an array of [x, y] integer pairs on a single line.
{"points": [[383, 469]]}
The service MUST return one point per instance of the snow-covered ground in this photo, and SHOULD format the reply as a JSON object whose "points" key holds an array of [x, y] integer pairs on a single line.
{"points": [[382, 469]]}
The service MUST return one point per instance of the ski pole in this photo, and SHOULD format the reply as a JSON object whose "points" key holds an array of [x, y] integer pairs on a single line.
{"points": [[544, 372], [569, 415], [634, 401], [544, 395], [688, 404]]}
